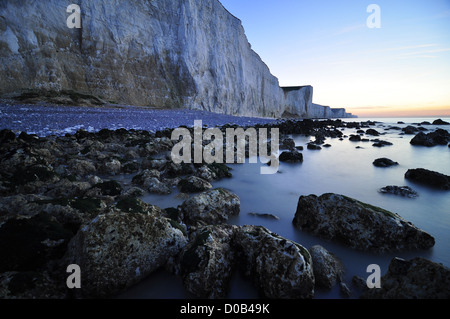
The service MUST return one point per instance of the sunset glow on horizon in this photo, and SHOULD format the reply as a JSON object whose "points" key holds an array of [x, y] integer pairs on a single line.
{"points": [[400, 69]]}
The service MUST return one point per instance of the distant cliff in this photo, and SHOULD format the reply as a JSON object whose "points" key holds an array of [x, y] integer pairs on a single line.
{"points": [[175, 54]]}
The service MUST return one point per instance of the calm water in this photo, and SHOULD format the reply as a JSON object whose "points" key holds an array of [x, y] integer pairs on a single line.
{"points": [[341, 169]]}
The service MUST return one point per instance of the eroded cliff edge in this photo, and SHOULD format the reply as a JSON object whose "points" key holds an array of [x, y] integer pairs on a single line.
{"points": [[174, 54]]}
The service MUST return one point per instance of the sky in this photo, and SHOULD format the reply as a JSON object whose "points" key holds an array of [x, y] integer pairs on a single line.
{"points": [[399, 69]]}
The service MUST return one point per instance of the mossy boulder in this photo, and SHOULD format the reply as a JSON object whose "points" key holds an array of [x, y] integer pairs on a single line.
{"points": [[119, 249], [358, 225], [212, 207]]}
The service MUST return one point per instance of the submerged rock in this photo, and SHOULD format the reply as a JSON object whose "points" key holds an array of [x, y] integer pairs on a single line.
{"points": [[291, 157], [119, 249], [384, 162], [211, 207], [404, 191], [262, 215], [429, 178], [358, 225], [280, 268], [417, 278]]}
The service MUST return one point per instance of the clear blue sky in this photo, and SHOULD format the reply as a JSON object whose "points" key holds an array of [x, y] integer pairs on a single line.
{"points": [[402, 68]]}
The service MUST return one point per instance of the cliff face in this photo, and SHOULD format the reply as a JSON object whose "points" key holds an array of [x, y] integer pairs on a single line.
{"points": [[179, 53]]}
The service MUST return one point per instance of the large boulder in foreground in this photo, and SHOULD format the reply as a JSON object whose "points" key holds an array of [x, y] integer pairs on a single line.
{"points": [[358, 225], [206, 263], [279, 268], [212, 207], [418, 278], [429, 178], [118, 249], [328, 269]]}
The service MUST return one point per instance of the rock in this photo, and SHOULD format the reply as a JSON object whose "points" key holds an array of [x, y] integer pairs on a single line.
{"points": [[355, 138], [438, 137], [380, 143], [409, 130], [194, 184], [358, 225], [287, 143], [109, 188], [145, 176], [404, 191], [429, 178], [154, 185], [81, 167], [262, 215], [29, 243], [440, 122], [384, 162], [417, 278], [312, 146], [279, 268], [291, 157], [328, 269], [119, 249], [211, 207], [373, 132], [207, 262]]}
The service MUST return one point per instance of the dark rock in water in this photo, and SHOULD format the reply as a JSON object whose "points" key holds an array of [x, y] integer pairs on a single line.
{"points": [[429, 178], [278, 267], [417, 278], [384, 162], [380, 143], [410, 130], [400, 122], [373, 132], [440, 122], [327, 145], [358, 225], [287, 143], [354, 138], [328, 269], [425, 123], [404, 191], [211, 207], [314, 147], [194, 184], [268, 216], [438, 137], [291, 156], [207, 262]]}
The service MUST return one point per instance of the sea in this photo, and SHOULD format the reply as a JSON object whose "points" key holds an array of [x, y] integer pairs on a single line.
{"points": [[344, 168]]}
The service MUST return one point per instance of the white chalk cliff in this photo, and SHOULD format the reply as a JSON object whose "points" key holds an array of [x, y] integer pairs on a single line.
{"points": [[179, 54]]}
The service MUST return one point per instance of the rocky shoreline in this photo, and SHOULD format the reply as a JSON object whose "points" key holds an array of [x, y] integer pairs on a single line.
{"points": [[62, 203]]}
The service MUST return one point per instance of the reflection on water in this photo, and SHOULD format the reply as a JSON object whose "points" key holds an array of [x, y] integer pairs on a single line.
{"points": [[341, 169]]}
